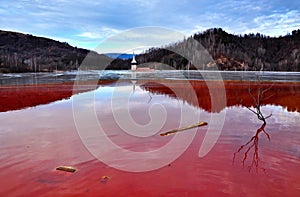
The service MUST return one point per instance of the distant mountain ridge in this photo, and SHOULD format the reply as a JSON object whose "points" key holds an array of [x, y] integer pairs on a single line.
{"points": [[119, 55]]}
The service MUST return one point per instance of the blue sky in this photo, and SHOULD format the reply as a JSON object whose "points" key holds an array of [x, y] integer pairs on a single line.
{"points": [[86, 23]]}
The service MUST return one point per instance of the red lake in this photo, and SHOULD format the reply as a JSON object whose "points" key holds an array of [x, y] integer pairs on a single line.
{"points": [[110, 132]]}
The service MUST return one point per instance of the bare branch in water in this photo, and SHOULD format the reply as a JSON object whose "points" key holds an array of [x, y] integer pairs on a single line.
{"points": [[183, 129], [259, 100], [252, 144], [254, 100]]}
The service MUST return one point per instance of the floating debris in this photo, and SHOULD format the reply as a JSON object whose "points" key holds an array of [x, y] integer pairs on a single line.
{"points": [[66, 168], [184, 128], [104, 179]]}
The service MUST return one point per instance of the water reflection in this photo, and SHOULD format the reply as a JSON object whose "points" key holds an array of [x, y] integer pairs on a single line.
{"points": [[258, 98], [251, 96], [252, 144], [286, 95], [17, 97], [45, 137]]}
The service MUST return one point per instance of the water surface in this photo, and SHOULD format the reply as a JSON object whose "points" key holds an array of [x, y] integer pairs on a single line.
{"points": [[38, 137]]}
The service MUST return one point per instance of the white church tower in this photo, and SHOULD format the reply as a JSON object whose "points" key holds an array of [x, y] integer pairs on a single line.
{"points": [[133, 63]]}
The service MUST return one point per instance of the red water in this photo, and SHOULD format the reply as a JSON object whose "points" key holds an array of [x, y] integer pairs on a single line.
{"points": [[35, 140]]}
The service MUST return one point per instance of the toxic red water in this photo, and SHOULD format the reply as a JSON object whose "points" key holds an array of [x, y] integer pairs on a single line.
{"points": [[38, 133]]}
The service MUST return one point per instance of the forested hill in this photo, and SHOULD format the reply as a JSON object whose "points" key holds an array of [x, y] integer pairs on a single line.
{"points": [[26, 53], [237, 52]]}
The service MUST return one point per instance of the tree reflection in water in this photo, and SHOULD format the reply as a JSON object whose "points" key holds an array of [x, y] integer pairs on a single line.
{"points": [[253, 142]]}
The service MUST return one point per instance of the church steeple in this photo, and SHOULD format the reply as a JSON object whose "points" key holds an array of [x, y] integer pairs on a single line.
{"points": [[133, 63]]}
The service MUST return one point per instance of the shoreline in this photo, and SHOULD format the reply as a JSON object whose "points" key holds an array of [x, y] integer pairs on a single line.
{"points": [[72, 76]]}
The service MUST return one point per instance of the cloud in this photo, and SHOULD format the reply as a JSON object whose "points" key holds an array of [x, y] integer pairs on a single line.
{"points": [[278, 23], [100, 34], [245, 16], [138, 39], [243, 6], [85, 23], [90, 35]]}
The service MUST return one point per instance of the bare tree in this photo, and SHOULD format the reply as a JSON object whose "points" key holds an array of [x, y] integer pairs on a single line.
{"points": [[258, 100]]}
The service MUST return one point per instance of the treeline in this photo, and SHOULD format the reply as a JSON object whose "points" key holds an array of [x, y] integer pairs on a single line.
{"points": [[26, 53], [230, 52], [211, 49]]}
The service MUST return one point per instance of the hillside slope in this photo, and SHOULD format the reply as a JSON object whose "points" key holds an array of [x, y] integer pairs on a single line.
{"points": [[26, 53], [233, 52]]}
